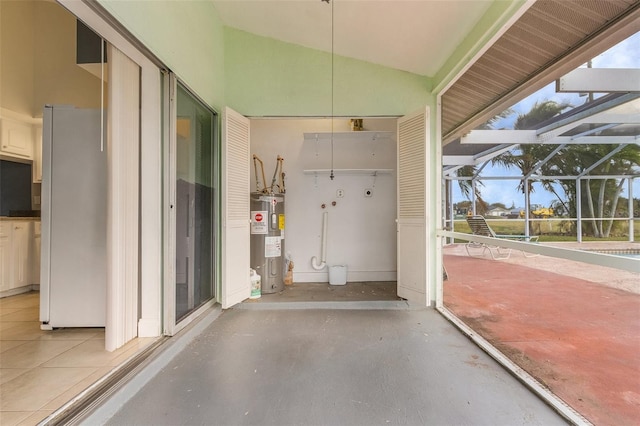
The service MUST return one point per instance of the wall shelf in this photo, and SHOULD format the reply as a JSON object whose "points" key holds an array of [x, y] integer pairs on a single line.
{"points": [[337, 172], [364, 135]]}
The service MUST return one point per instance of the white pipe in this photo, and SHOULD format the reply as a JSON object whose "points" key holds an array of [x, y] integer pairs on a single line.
{"points": [[323, 260]]}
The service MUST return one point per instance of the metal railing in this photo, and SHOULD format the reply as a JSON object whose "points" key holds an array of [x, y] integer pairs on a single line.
{"points": [[594, 258]]}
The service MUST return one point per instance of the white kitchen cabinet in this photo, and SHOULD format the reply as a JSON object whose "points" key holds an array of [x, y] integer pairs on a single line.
{"points": [[35, 252], [5, 256], [16, 138], [20, 238], [17, 256]]}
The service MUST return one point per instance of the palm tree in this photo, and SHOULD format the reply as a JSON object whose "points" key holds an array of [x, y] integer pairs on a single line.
{"points": [[601, 195], [471, 170], [466, 187], [527, 157]]}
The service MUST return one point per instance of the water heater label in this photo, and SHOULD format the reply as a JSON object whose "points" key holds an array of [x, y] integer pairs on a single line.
{"points": [[259, 222], [272, 247], [281, 222]]}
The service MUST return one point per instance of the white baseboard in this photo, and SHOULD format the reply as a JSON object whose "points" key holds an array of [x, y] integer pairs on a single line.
{"points": [[352, 276], [20, 290]]}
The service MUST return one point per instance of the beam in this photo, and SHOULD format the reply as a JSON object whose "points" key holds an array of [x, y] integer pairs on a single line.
{"points": [[593, 258], [598, 114], [542, 177], [604, 80], [605, 117], [473, 160], [595, 130], [543, 162], [448, 170], [529, 137], [600, 140], [488, 155], [593, 177], [458, 160], [499, 137]]}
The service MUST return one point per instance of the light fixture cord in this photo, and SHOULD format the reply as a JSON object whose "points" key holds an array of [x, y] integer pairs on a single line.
{"points": [[332, 90]]}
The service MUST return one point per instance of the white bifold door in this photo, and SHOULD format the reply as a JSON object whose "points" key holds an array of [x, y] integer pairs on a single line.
{"points": [[236, 285], [413, 138]]}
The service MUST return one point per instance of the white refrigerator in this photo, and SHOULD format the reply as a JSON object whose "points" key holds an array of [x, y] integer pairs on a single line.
{"points": [[74, 219]]}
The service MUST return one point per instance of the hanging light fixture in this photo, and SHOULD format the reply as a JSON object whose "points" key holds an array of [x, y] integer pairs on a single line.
{"points": [[329, 2]]}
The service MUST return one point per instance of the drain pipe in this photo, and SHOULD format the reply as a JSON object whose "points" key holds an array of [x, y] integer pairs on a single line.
{"points": [[323, 260]]}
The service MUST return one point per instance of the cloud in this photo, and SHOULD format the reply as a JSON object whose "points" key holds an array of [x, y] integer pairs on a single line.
{"points": [[625, 54]]}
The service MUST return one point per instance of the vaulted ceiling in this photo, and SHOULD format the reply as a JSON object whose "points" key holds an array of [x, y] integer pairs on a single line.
{"points": [[548, 39], [416, 36]]}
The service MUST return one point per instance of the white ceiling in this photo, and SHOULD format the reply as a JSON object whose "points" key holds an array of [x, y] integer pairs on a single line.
{"points": [[416, 36]]}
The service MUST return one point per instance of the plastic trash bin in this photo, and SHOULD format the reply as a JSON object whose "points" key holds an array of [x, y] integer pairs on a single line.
{"points": [[338, 274]]}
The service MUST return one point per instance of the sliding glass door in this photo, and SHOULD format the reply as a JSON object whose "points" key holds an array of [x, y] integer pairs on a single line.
{"points": [[195, 203]]}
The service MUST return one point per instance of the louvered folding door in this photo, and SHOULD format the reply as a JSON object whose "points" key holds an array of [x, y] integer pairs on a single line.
{"points": [[236, 174], [412, 230]]}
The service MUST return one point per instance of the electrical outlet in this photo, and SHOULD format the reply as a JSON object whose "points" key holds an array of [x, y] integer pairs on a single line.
{"points": [[340, 193], [368, 192]]}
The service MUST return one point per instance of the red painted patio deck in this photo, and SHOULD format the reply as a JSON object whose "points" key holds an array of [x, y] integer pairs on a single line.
{"points": [[561, 321]]}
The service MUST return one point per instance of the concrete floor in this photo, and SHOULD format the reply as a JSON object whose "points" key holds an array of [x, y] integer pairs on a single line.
{"points": [[352, 295], [336, 367], [324, 292]]}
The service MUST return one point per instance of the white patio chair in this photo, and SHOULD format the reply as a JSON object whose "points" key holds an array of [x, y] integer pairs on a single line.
{"points": [[480, 227]]}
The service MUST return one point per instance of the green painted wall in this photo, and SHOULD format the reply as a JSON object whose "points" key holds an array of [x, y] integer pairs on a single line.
{"points": [[266, 77], [259, 76], [187, 36]]}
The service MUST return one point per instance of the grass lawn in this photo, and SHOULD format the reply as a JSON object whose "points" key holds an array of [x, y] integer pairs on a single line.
{"points": [[551, 229]]}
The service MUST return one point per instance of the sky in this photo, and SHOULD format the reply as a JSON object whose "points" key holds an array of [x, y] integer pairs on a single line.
{"points": [[625, 54]]}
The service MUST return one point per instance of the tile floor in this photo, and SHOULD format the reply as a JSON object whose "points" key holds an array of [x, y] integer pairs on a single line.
{"points": [[41, 370]]}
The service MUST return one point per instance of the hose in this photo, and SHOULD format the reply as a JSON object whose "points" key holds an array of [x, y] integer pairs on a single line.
{"points": [[323, 260]]}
